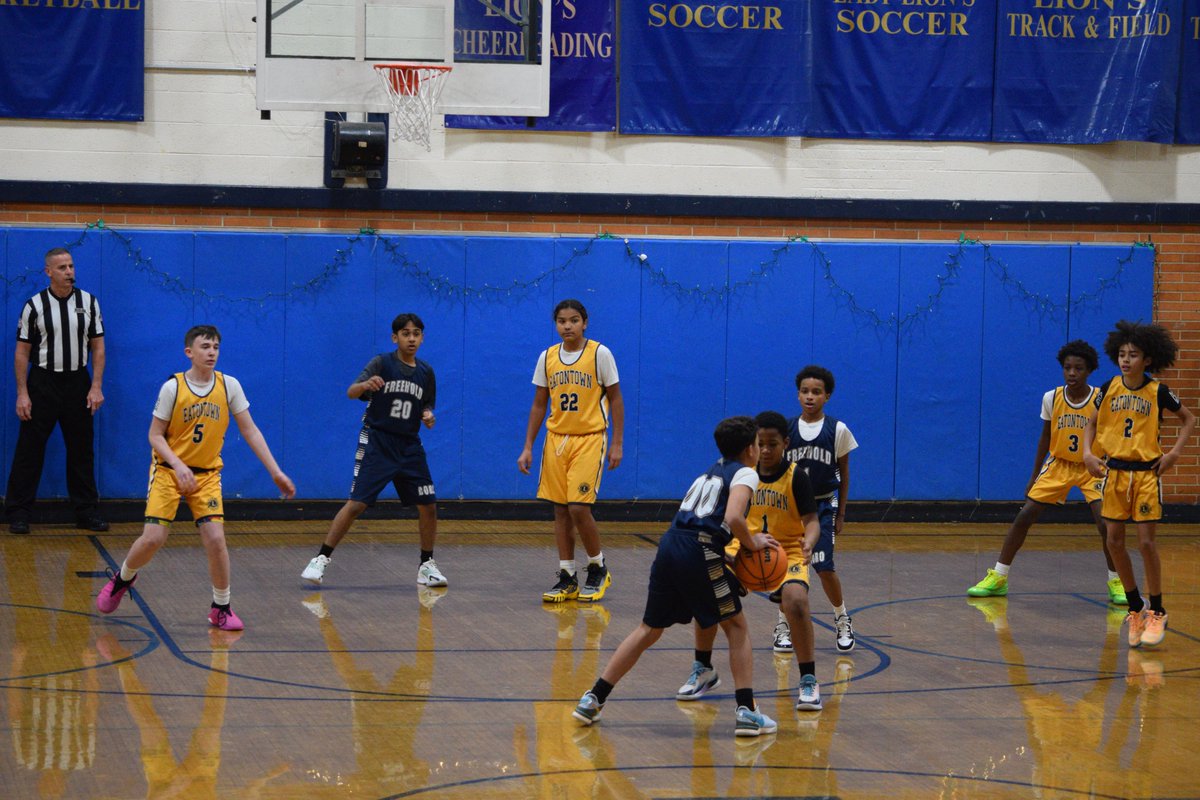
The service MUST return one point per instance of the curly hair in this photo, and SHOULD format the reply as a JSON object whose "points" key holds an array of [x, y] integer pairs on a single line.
{"points": [[1083, 350], [1154, 341], [820, 373]]}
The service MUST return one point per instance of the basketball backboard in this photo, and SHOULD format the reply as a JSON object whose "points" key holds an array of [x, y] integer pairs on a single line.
{"points": [[318, 55]]}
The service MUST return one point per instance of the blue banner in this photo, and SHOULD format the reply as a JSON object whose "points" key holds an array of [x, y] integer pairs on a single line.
{"points": [[1106, 72], [583, 77], [1187, 125], [691, 67], [903, 71], [72, 59]]}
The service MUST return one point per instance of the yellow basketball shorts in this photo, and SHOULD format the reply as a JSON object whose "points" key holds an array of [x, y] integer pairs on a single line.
{"points": [[572, 465], [1057, 477], [1131, 495], [163, 496], [797, 570]]}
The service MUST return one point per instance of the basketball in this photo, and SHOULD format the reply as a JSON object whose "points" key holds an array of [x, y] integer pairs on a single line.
{"points": [[760, 570]]}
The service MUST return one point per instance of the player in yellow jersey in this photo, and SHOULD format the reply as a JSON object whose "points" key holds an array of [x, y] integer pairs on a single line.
{"points": [[579, 383], [1124, 428], [187, 434], [784, 507], [1057, 467]]}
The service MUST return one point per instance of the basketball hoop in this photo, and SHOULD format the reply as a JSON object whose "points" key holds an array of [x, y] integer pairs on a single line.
{"points": [[413, 90]]}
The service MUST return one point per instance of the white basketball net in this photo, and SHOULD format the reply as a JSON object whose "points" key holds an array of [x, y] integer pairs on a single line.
{"points": [[413, 90]]}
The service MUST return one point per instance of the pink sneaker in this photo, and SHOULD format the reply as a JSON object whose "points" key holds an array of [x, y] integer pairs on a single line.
{"points": [[110, 596], [225, 620]]}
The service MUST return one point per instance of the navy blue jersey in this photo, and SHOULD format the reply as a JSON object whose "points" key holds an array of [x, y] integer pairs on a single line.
{"points": [[818, 457], [703, 507], [406, 393]]}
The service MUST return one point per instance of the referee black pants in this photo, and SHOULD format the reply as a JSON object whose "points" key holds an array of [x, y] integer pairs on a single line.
{"points": [[58, 398]]}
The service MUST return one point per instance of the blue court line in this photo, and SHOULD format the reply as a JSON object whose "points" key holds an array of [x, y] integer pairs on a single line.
{"points": [[839, 771], [151, 643]]}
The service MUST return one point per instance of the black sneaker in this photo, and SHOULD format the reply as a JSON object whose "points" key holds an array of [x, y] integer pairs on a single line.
{"points": [[92, 524], [567, 588], [18, 526], [597, 583]]}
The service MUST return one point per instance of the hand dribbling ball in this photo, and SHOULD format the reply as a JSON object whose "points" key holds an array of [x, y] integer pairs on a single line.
{"points": [[761, 570]]}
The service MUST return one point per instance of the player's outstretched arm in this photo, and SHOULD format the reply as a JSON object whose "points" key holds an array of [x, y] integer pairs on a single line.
{"points": [[184, 478], [537, 412], [735, 520], [1185, 432], [258, 445], [616, 408], [1043, 449], [1094, 465]]}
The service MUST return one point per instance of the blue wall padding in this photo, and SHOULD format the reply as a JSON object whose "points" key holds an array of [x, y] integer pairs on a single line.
{"points": [[1015, 364], [941, 351], [861, 355], [937, 397]]}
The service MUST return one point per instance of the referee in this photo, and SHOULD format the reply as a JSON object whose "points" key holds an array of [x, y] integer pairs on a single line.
{"points": [[59, 326]]}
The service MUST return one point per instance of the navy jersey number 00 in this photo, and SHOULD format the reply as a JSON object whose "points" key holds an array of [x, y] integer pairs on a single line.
{"points": [[703, 507]]}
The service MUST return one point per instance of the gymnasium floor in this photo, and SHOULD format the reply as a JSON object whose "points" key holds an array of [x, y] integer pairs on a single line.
{"points": [[372, 688]]}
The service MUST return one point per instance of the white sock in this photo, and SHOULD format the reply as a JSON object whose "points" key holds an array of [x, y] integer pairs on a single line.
{"points": [[221, 596], [127, 574], [597, 559], [1003, 568], [782, 618], [839, 611], [569, 566], [1112, 576]]}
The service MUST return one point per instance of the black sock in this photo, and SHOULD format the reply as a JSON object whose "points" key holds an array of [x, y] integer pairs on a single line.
{"points": [[808, 668], [224, 608], [1156, 604], [744, 697], [601, 690], [704, 657], [1135, 599], [426, 555], [326, 550]]}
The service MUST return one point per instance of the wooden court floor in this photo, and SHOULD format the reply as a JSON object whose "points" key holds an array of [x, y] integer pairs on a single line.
{"points": [[373, 688]]}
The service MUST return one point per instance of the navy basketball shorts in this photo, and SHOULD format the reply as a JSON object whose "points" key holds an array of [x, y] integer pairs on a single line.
{"points": [[822, 557], [688, 579], [384, 458]]}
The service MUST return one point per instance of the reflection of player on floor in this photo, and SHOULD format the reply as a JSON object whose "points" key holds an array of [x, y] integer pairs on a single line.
{"points": [[52, 715], [821, 445], [689, 578], [187, 434], [783, 506], [1124, 427], [578, 380], [195, 775], [1057, 467], [400, 391], [1074, 742], [385, 729]]}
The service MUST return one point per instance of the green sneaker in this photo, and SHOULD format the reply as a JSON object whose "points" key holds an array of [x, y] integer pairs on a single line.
{"points": [[1116, 593], [993, 585]]}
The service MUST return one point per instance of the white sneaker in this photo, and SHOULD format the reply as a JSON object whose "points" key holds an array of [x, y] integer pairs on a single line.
{"points": [[698, 683], [845, 633], [809, 698], [315, 571], [430, 575], [783, 638]]}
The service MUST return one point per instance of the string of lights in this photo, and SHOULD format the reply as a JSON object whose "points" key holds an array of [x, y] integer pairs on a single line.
{"points": [[781, 256]]}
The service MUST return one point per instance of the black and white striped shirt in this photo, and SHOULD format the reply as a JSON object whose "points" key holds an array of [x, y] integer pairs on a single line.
{"points": [[58, 330]]}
